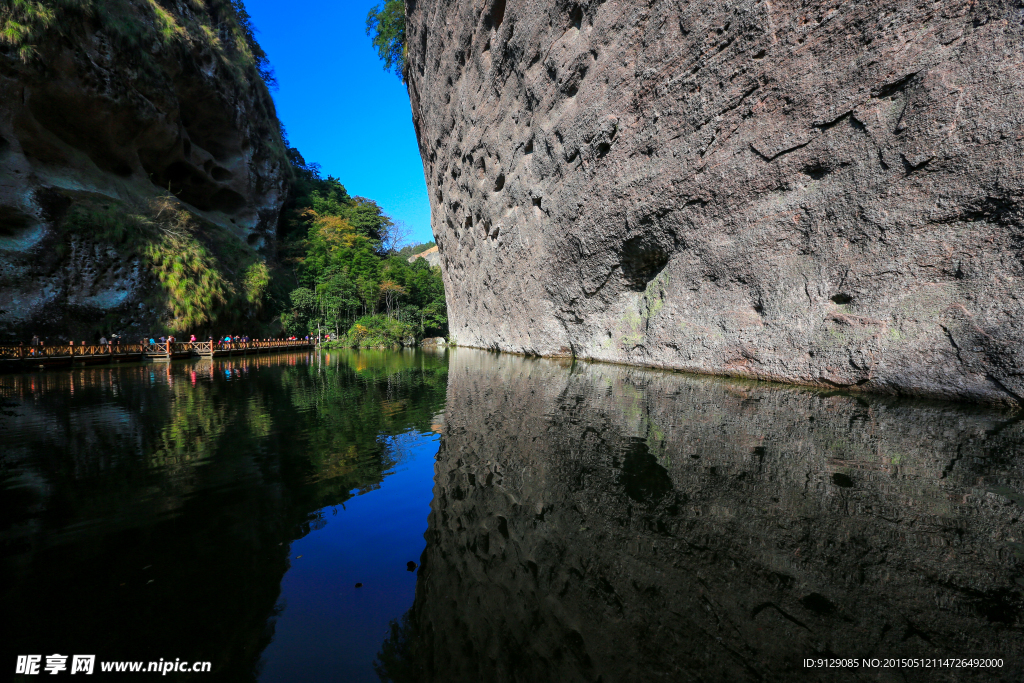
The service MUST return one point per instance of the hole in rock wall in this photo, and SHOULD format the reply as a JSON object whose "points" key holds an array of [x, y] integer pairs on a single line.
{"points": [[537, 201], [480, 165], [576, 17], [818, 603], [842, 299], [499, 182], [53, 203], [13, 221], [529, 147], [498, 13], [816, 170], [193, 186], [641, 262], [641, 476], [840, 479], [227, 201], [179, 174]]}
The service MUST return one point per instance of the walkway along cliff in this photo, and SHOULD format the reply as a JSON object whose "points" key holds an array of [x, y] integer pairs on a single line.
{"points": [[822, 193]]}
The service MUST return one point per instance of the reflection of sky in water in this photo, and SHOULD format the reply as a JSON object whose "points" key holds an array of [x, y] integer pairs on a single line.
{"points": [[329, 630], [154, 510]]}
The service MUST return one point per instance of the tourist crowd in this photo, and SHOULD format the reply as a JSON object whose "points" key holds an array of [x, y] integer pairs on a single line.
{"points": [[226, 342]]}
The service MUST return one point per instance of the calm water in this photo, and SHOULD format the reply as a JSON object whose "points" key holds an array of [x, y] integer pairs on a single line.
{"points": [[570, 522]]}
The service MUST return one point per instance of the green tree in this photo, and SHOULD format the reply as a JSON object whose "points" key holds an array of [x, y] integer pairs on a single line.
{"points": [[386, 28], [343, 252]]}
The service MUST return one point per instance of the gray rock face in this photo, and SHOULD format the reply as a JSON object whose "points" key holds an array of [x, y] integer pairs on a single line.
{"points": [[828, 194], [431, 256], [89, 118], [601, 522]]}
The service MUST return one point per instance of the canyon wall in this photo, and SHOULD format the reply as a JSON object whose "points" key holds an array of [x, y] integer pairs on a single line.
{"points": [[104, 106], [825, 193]]}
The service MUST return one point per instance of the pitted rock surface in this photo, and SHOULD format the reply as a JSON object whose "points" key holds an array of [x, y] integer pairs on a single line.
{"points": [[594, 522], [822, 193]]}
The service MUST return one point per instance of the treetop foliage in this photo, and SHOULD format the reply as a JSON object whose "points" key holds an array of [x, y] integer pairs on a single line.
{"points": [[353, 283], [386, 28], [413, 249]]}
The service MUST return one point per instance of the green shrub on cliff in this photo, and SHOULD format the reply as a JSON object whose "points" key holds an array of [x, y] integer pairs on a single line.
{"points": [[193, 263], [222, 26], [386, 28]]}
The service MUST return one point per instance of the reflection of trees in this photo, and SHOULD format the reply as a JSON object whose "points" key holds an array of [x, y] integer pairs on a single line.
{"points": [[202, 473], [362, 396], [396, 661]]}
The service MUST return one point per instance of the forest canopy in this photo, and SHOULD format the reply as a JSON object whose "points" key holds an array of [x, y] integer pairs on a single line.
{"points": [[353, 282]]}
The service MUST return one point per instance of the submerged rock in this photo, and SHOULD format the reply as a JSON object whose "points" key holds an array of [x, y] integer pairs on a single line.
{"points": [[433, 341], [828, 195]]}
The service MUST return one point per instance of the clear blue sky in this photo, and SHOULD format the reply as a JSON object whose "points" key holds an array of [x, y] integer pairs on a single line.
{"points": [[340, 108]]}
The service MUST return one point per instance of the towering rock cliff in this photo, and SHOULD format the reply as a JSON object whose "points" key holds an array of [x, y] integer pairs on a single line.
{"points": [[105, 105], [827, 193]]}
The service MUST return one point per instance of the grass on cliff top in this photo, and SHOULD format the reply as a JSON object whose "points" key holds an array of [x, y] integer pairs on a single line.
{"points": [[136, 26], [206, 275], [146, 33]]}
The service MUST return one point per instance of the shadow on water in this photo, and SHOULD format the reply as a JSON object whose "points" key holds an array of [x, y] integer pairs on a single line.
{"points": [[146, 511], [606, 523]]}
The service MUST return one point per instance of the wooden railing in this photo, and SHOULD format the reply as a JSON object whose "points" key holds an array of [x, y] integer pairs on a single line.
{"points": [[12, 352], [98, 351], [259, 344]]}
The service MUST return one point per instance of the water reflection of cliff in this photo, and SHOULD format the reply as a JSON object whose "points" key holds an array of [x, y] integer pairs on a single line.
{"points": [[146, 510], [607, 523]]}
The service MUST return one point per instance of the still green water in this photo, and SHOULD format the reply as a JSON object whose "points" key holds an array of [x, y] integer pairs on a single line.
{"points": [[567, 522]]}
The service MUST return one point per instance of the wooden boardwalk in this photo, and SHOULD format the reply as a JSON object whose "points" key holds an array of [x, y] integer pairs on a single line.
{"points": [[20, 357]]}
